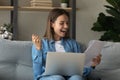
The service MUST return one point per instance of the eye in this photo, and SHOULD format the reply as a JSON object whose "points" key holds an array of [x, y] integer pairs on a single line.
{"points": [[62, 23], [67, 23]]}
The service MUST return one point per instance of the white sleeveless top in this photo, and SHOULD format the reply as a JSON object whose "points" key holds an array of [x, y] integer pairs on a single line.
{"points": [[59, 47]]}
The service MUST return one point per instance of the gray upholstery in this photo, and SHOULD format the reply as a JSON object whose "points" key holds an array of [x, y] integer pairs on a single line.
{"points": [[109, 68], [15, 60]]}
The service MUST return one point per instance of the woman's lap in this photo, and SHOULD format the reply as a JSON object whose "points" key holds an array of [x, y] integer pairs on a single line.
{"points": [[74, 77], [59, 77], [52, 77]]}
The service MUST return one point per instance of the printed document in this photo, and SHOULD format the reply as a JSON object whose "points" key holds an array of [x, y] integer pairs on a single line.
{"points": [[93, 50]]}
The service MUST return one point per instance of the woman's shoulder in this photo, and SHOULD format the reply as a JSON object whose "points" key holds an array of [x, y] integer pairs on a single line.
{"points": [[71, 41], [45, 40], [67, 40]]}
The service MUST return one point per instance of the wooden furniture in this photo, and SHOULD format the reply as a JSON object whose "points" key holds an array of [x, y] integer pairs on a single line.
{"points": [[14, 8]]}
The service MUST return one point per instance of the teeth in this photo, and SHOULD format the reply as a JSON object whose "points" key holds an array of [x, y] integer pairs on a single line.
{"points": [[64, 30]]}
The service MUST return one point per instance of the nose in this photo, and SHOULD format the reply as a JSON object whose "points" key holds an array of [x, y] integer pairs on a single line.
{"points": [[66, 25]]}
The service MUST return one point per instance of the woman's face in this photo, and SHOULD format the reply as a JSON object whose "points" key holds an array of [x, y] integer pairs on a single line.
{"points": [[60, 27]]}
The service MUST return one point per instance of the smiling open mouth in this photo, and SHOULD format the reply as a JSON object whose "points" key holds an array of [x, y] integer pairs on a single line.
{"points": [[64, 31]]}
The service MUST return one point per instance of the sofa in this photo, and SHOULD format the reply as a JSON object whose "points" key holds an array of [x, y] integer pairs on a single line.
{"points": [[109, 68], [16, 61]]}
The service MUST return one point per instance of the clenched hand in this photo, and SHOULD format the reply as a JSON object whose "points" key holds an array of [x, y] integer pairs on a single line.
{"points": [[37, 41]]}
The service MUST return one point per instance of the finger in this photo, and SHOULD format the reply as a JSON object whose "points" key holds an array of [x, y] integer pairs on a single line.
{"points": [[36, 36], [98, 59], [33, 37], [94, 59], [99, 56], [94, 62], [38, 40]]}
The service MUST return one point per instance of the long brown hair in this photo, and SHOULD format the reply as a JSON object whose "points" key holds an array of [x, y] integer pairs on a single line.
{"points": [[53, 15]]}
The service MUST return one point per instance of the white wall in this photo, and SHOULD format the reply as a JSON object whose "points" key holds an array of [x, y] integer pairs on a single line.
{"points": [[85, 17], [35, 22], [4, 17], [32, 21]]}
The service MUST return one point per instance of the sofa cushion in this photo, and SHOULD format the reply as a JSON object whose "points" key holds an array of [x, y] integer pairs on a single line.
{"points": [[15, 60], [109, 68]]}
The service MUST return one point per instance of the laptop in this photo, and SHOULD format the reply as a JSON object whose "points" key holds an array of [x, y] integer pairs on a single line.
{"points": [[64, 63]]}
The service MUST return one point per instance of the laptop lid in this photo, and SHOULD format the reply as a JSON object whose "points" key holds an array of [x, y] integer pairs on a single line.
{"points": [[62, 63]]}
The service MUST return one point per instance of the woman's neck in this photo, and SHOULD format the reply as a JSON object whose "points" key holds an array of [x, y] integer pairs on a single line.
{"points": [[56, 38]]}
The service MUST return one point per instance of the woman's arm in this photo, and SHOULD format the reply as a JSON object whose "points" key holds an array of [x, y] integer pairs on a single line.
{"points": [[37, 62], [95, 62], [87, 71], [37, 56]]}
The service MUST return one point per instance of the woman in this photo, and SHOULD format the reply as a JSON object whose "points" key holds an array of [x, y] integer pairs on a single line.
{"points": [[56, 39]]}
